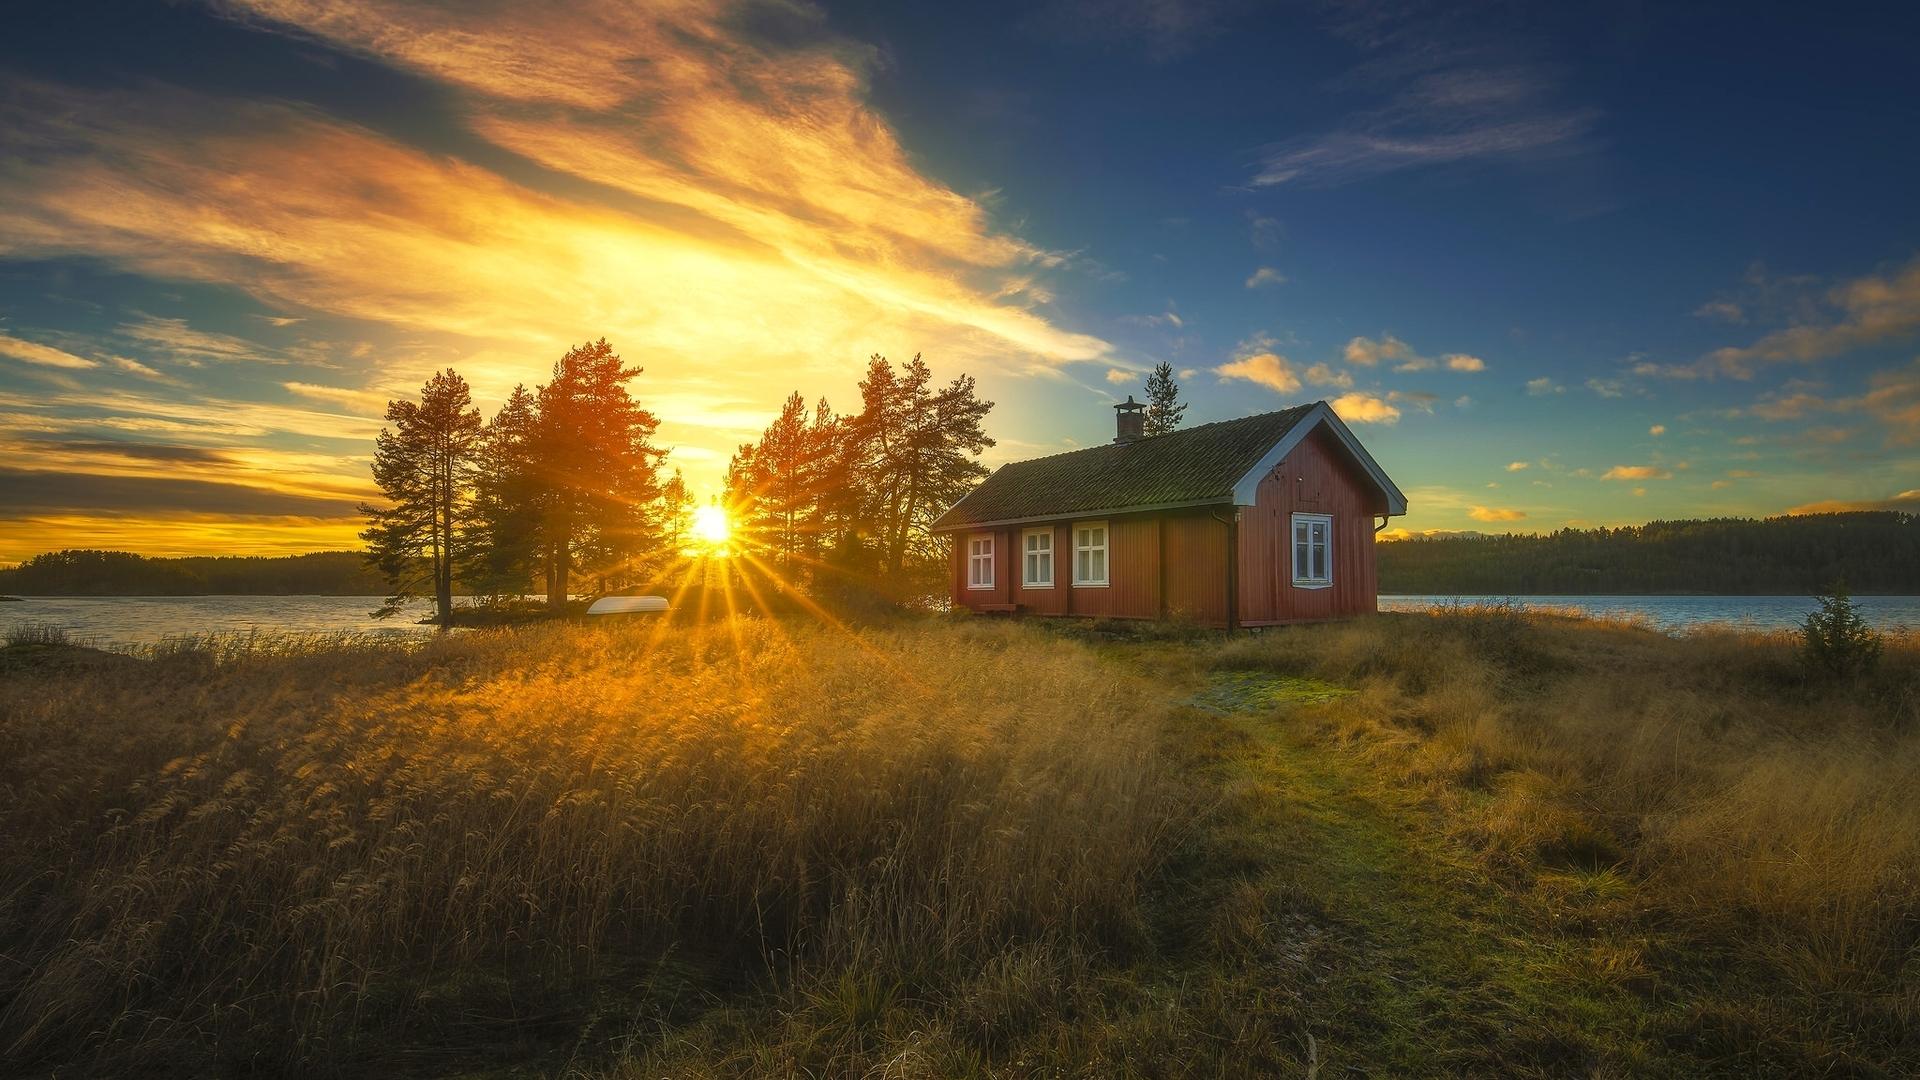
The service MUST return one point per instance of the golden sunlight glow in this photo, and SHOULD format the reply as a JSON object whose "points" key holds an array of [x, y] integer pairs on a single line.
{"points": [[710, 526]]}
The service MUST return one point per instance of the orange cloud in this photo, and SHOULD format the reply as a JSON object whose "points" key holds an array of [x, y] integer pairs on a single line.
{"points": [[1905, 502], [1637, 472], [1364, 408], [1495, 513], [1268, 369], [1324, 375], [1463, 362], [1366, 352]]}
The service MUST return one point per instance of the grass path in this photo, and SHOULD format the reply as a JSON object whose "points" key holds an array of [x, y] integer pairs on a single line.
{"points": [[1414, 962]]}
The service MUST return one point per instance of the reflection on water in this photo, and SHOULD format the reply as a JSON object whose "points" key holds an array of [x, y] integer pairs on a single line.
{"points": [[1675, 613]]}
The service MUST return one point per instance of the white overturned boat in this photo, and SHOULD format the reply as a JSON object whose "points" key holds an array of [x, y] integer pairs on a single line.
{"points": [[628, 605]]}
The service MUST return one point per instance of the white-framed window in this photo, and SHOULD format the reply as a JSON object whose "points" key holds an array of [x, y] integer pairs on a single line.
{"points": [[1036, 558], [1312, 551], [980, 561], [1090, 553]]}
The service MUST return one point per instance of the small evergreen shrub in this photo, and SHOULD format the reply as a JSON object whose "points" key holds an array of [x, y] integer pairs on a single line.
{"points": [[1837, 642]]}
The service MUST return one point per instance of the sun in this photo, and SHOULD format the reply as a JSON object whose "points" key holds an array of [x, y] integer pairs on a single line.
{"points": [[710, 526]]}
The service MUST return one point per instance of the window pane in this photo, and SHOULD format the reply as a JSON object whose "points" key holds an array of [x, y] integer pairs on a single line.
{"points": [[1320, 562], [1099, 564]]}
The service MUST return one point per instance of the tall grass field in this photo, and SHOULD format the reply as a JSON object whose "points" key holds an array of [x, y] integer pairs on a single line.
{"points": [[1455, 843]]}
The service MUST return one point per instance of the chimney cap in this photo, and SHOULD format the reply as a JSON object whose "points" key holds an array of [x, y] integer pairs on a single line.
{"points": [[1131, 405]]}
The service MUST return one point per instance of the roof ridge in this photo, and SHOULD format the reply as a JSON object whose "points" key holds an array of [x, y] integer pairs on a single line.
{"points": [[1145, 438]]}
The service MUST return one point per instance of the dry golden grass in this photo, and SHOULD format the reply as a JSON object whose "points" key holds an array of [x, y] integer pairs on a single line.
{"points": [[276, 854], [752, 848], [1772, 819]]}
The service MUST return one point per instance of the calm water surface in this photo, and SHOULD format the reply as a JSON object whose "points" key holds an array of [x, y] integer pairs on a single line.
{"points": [[1678, 613], [135, 620]]}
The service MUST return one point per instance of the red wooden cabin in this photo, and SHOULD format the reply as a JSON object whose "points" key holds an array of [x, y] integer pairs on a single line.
{"points": [[1253, 522]]}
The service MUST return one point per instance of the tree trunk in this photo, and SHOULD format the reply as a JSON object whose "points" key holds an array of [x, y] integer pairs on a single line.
{"points": [[557, 578]]}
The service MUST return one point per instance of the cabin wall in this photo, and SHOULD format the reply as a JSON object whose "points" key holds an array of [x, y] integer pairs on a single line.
{"points": [[1194, 582], [1197, 566], [1317, 477]]}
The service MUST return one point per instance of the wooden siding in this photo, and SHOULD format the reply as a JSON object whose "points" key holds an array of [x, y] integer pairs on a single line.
{"points": [[1318, 478], [1197, 566]]}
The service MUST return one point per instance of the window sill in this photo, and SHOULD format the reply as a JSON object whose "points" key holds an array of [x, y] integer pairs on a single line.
{"points": [[1313, 584], [980, 588], [1036, 584], [1089, 584]]}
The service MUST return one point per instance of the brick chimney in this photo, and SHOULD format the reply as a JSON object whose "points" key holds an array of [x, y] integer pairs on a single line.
{"points": [[1132, 418]]}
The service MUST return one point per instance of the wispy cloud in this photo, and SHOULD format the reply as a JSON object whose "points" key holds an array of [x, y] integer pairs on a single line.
{"points": [[1445, 94], [1892, 397], [1866, 311], [1905, 501], [1264, 276], [32, 352], [1371, 352], [1637, 472], [1327, 375], [364, 402]]}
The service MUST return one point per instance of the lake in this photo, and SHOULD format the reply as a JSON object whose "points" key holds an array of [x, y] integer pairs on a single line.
{"points": [[1678, 613], [136, 620]]}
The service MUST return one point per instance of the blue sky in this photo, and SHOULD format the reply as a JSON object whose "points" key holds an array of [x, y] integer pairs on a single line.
{"points": [[1557, 266]]}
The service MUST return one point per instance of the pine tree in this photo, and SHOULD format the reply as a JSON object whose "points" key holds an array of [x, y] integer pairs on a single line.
{"points": [[502, 550], [423, 465], [1164, 407], [676, 511], [1837, 641], [913, 453], [598, 468], [832, 521]]}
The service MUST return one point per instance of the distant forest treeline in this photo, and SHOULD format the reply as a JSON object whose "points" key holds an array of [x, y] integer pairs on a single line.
{"points": [[1874, 552], [120, 573]]}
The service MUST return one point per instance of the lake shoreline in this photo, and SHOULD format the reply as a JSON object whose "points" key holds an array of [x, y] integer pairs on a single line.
{"points": [[130, 621]]}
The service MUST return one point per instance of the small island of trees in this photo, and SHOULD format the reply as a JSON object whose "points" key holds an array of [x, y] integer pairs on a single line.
{"points": [[565, 482]]}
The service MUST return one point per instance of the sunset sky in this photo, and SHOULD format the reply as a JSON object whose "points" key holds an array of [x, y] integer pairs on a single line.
{"points": [[1555, 267]]}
